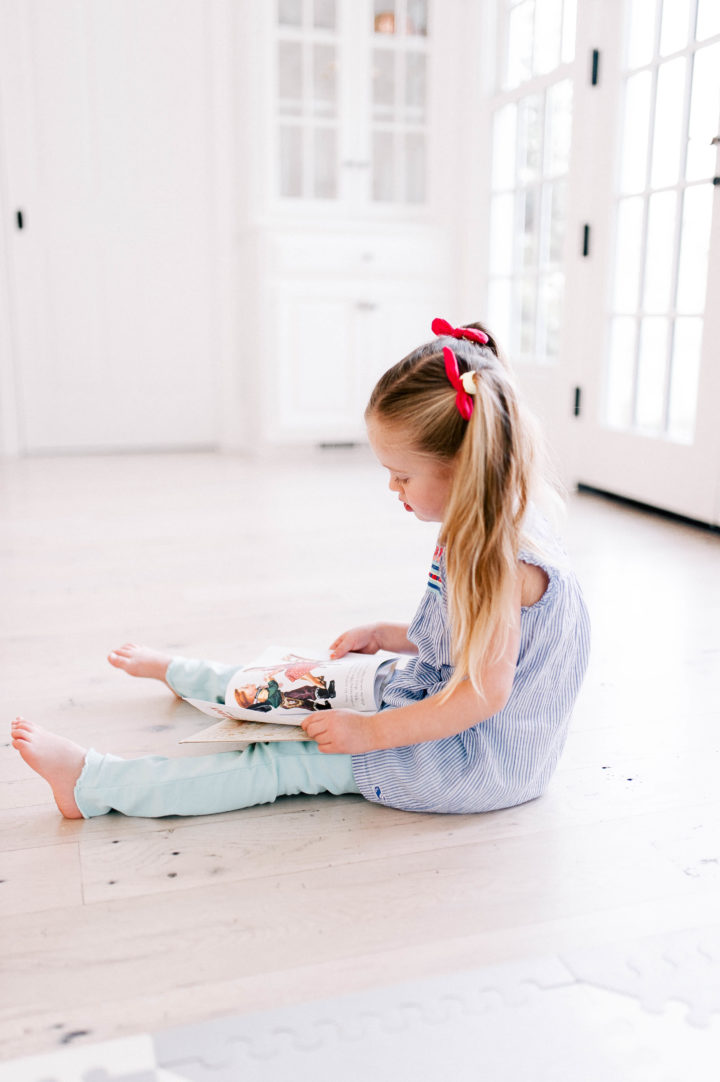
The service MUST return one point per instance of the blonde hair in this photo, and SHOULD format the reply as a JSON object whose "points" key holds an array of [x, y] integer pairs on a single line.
{"points": [[498, 464]]}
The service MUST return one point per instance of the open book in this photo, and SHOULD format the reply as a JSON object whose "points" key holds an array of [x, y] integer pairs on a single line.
{"points": [[268, 699]]}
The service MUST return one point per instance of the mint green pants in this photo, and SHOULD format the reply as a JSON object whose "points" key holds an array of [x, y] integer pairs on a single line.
{"points": [[154, 786]]}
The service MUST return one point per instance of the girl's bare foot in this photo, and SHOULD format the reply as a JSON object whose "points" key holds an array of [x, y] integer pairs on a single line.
{"points": [[55, 758], [141, 661]]}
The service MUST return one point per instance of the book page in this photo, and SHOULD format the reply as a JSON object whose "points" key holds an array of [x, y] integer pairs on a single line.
{"points": [[284, 686]]}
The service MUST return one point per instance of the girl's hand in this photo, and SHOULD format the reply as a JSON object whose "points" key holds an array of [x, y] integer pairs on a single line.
{"points": [[360, 640], [340, 732]]}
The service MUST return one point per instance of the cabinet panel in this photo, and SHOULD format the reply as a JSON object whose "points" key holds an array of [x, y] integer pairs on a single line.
{"points": [[425, 255], [334, 340], [315, 393]]}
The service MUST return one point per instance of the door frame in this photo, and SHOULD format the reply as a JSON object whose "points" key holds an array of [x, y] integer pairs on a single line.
{"points": [[10, 436]]}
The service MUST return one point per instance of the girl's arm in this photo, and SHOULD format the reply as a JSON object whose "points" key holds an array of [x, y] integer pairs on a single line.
{"points": [[347, 732], [373, 637]]}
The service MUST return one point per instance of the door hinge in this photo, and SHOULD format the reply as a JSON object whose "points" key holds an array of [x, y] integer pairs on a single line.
{"points": [[577, 401], [595, 68]]}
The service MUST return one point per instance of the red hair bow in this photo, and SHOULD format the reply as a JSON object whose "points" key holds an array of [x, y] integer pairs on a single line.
{"points": [[463, 400], [441, 326]]}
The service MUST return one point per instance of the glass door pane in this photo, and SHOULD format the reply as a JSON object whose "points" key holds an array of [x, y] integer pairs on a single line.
{"points": [[531, 148], [671, 111]]}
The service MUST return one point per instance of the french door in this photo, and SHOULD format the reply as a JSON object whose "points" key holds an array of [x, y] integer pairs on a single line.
{"points": [[649, 428], [610, 290]]}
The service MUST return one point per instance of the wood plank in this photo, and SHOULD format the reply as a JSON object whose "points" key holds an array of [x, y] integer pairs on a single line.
{"points": [[39, 880]]}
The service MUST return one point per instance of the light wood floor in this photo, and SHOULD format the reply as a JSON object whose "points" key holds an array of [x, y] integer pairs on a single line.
{"points": [[115, 926]]}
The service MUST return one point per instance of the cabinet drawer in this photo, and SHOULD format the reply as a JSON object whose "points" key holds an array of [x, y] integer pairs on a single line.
{"points": [[416, 256]]}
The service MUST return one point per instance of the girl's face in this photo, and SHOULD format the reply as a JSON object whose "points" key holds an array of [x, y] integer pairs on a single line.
{"points": [[422, 483]]}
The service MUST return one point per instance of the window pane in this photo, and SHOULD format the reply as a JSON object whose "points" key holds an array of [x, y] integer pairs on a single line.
{"points": [[504, 145], [324, 78], [694, 248], [384, 21], [559, 125], [550, 312], [324, 14], [528, 310], [414, 167], [417, 17], [708, 19], [669, 118], [383, 83], [652, 365], [530, 113], [620, 373], [675, 29], [628, 254], [557, 194], [641, 32], [685, 375], [528, 202], [291, 161], [568, 31], [325, 181], [704, 111], [500, 311], [633, 167], [520, 43], [502, 233], [548, 35], [659, 251], [383, 179], [290, 77], [415, 84], [290, 12]]}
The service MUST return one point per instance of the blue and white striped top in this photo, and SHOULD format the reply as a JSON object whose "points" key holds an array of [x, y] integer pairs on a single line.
{"points": [[509, 758]]}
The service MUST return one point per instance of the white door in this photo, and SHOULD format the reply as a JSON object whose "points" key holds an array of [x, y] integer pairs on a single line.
{"points": [[105, 151], [650, 422]]}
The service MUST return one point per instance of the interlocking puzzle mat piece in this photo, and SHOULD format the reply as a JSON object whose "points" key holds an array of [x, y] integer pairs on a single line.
{"points": [[508, 1022], [563, 1031], [657, 970], [353, 1019]]}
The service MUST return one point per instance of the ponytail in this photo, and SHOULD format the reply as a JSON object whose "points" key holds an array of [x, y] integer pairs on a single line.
{"points": [[493, 458]]}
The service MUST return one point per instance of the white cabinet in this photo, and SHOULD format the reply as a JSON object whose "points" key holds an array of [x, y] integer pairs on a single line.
{"points": [[350, 229], [341, 309]]}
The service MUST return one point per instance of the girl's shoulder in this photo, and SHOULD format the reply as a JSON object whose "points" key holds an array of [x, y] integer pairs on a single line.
{"points": [[540, 544]]}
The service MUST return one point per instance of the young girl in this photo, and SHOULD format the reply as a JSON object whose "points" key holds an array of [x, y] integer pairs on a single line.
{"points": [[477, 718]]}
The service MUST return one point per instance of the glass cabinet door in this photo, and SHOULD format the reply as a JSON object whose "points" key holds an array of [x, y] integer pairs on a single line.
{"points": [[351, 101], [307, 64], [398, 101]]}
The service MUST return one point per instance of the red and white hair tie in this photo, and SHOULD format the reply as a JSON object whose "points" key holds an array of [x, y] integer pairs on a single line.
{"points": [[464, 384], [442, 327]]}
